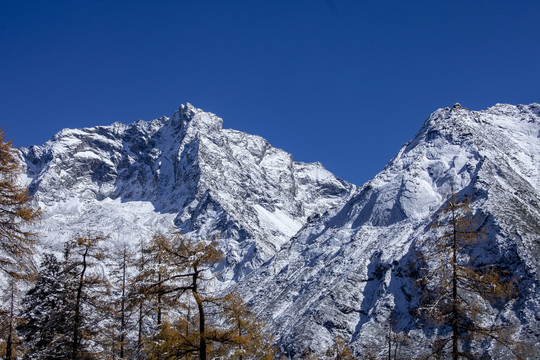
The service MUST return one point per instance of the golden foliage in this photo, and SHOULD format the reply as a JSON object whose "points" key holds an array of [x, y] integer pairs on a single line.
{"points": [[340, 350], [207, 325], [16, 241]]}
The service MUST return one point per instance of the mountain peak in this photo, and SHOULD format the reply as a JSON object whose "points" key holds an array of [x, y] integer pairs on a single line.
{"points": [[489, 155], [189, 117], [183, 172], [188, 111], [318, 256]]}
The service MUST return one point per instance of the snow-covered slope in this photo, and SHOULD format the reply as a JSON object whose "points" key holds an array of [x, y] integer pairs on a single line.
{"points": [[315, 255], [346, 273], [184, 172]]}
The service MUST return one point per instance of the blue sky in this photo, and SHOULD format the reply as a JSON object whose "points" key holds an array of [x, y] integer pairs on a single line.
{"points": [[343, 82]]}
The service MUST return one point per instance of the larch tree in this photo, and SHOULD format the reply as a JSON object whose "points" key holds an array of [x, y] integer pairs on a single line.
{"points": [[339, 350], [90, 291], [151, 284], [457, 289], [207, 324], [12, 346], [395, 341], [186, 262], [17, 241], [122, 306], [242, 335], [140, 299]]}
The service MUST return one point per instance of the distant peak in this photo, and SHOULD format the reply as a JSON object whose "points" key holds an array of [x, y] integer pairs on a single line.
{"points": [[457, 107], [187, 110], [191, 117]]}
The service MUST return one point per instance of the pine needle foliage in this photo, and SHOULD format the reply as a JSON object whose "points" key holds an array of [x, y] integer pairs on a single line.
{"points": [[47, 311], [65, 310]]}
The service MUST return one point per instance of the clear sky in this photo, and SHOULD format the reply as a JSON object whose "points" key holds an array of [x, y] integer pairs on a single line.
{"points": [[343, 82]]}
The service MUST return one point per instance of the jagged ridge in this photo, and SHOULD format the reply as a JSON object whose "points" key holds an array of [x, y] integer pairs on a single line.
{"points": [[343, 275], [184, 171], [315, 255]]}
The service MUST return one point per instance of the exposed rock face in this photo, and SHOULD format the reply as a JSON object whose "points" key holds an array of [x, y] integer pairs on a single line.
{"points": [[315, 255], [346, 273], [184, 172]]}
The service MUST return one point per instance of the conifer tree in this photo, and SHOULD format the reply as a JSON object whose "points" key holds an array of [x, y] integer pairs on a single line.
{"points": [[16, 213], [182, 263], [140, 298], [12, 346], [47, 313], [16, 241], [64, 311], [394, 340], [122, 305], [232, 332], [457, 291], [241, 335], [214, 325], [88, 288], [339, 350], [158, 275]]}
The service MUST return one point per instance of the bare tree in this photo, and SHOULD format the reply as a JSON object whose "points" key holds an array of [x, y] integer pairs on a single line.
{"points": [[457, 289], [89, 287]]}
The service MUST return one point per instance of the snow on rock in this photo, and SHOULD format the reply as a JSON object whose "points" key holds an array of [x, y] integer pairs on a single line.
{"points": [[342, 274], [182, 172], [316, 256]]}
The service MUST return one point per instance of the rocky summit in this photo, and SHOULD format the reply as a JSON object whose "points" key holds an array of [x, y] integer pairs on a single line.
{"points": [[345, 274], [317, 257], [184, 172]]}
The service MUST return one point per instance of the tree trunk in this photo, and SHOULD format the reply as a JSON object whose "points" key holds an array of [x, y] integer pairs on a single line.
{"points": [[240, 357], [9, 344], [77, 319], [202, 320], [390, 344], [159, 292], [122, 306], [9, 340], [202, 333], [455, 334], [141, 305]]}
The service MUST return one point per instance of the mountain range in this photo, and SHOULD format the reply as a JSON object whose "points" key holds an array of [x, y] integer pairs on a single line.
{"points": [[316, 256]]}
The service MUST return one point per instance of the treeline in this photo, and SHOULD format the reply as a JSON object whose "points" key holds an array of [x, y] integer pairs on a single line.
{"points": [[154, 303]]}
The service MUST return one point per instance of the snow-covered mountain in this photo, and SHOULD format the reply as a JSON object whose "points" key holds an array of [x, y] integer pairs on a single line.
{"points": [[185, 172], [317, 256], [345, 274]]}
